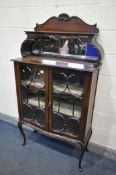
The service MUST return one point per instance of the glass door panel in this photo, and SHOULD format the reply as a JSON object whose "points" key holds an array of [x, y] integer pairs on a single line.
{"points": [[33, 94], [67, 101]]}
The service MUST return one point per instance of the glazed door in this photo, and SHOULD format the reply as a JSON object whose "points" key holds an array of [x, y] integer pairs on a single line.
{"points": [[34, 94], [66, 97]]}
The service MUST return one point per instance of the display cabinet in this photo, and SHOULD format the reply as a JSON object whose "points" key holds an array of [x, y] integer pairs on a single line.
{"points": [[56, 80]]}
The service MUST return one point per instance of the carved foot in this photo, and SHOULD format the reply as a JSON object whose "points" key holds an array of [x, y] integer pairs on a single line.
{"points": [[86, 149], [35, 131], [80, 169], [22, 132]]}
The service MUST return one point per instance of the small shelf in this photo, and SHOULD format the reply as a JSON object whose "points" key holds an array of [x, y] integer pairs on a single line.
{"points": [[67, 109], [35, 101], [39, 84], [69, 97], [62, 88], [66, 115]]}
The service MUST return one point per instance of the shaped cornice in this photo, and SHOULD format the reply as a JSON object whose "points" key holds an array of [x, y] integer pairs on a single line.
{"points": [[66, 24]]}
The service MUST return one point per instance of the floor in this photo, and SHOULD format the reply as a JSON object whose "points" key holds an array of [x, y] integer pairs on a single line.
{"points": [[44, 156]]}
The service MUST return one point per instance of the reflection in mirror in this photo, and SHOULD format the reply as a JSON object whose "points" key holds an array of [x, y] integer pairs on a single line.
{"points": [[38, 78], [26, 75], [59, 82]]}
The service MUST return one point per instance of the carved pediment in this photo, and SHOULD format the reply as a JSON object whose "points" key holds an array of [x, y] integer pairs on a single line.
{"points": [[65, 24]]}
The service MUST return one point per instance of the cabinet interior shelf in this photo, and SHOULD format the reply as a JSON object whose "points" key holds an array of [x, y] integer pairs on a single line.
{"points": [[66, 109], [63, 95]]}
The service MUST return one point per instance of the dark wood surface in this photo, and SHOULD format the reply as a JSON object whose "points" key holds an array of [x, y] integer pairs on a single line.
{"points": [[64, 23], [93, 87], [59, 62], [18, 89]]}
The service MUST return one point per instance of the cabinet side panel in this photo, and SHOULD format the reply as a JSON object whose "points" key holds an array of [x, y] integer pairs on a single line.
{"points": [[91, 102], [18, 89], [85, 105]]}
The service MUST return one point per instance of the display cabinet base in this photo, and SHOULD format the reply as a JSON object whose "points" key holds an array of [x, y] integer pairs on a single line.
{"points": [[83, 144]]}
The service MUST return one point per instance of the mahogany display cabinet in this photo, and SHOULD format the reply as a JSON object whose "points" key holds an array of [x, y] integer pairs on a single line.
{"points": [[56, 80]]}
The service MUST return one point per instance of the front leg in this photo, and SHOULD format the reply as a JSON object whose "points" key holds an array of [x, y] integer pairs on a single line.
{"points": [[22, 132], [83, 148], [88, 141]]}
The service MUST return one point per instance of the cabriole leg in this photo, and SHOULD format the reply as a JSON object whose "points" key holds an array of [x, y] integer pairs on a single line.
{"points": [[22, 132], [88, 142], [86, 148], [81, 156]]}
